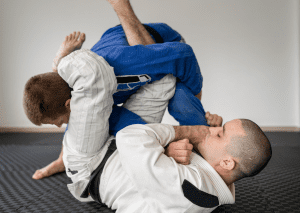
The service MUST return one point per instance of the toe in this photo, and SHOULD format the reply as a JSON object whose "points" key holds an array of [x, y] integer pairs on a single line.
{"points": [[71, 36], [82, 37], [37, 175], [77, 36]]}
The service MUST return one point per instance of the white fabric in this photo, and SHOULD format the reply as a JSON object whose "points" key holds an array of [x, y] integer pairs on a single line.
{"points": [[87, 139], [151, 100], [84, 144], [139, 177]]}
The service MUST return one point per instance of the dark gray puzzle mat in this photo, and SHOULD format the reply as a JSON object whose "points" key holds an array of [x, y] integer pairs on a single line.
{"points": [[276, 189]]}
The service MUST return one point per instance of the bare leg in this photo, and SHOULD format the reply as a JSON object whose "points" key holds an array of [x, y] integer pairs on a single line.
{"points": [[51, 169], [133, 28]]}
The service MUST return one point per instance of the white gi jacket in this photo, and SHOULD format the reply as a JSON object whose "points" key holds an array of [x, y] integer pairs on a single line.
{"points": [[140, 178]]}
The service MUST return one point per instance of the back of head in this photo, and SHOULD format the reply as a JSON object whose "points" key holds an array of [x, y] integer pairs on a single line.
{"points": [[45, 96], [253, 151]]}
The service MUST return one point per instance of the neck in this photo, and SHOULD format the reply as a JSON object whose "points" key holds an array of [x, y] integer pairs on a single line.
{"points": [[225, 175]]}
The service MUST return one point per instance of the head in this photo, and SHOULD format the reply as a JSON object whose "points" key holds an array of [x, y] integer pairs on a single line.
{"points": [[46, 99], [238, 149]]}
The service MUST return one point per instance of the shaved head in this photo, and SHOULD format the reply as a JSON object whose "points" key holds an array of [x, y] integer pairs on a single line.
{"points": [[252, 151]]}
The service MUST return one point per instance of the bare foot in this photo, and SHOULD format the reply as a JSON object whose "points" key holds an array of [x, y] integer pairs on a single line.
{"points": [[53, 168], [71, 43]]}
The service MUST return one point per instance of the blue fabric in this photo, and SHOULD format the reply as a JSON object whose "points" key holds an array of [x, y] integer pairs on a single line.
{"points": [[122, 117], [186, 108], [156, 60]]}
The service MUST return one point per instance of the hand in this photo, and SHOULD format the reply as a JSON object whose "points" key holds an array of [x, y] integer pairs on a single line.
{"points": [[213, 119], [180, 150]]}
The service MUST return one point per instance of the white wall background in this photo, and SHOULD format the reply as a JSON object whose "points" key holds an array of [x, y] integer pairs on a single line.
{"points": [[248, 51]]}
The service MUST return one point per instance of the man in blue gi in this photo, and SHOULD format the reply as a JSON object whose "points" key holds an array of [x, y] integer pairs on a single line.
{"points": [[137, 65]]}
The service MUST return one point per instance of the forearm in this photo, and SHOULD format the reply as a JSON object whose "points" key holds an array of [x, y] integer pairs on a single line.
{"points": [[194, 134], [182, 132], [133, 28]]}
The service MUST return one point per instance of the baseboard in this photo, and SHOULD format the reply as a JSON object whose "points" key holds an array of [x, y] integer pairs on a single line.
{"points": [[31, 130], [62, 130], [280, 129]]}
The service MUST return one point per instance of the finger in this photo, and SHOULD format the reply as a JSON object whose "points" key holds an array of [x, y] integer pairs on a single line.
{"points": [[207, 114], [183, 160], [184, 141], [219, 121], [214, 120], [183, 146], [210, 119], [67, 38], [183, 153]]}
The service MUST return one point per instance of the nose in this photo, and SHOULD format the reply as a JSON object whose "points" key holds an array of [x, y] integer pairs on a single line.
{"points": [[214, 130]]}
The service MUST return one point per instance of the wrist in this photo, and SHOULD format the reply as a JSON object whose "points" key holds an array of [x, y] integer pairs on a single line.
{"points": [[182, 132]]}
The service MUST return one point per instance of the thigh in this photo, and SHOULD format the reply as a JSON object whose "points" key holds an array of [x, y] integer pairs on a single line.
{"points": [[151, 100]]}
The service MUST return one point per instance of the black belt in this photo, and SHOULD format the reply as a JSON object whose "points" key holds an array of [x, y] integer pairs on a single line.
{"points": [[93, 186]]}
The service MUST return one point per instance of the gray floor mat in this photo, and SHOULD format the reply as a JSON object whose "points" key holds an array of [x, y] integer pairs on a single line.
{"points": [[276, 189]]}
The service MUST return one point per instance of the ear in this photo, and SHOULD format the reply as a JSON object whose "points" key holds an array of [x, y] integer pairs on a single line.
{"points": [[67, 104], [227, 163]]}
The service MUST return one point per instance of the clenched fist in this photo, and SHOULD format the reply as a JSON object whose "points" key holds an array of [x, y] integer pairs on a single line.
{"points": [[180, 150]]}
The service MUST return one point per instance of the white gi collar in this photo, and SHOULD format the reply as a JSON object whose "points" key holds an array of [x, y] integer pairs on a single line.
{"points": [[226, 194]]}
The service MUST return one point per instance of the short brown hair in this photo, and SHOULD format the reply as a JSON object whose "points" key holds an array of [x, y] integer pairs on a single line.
{"points": [[45, 96]]}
